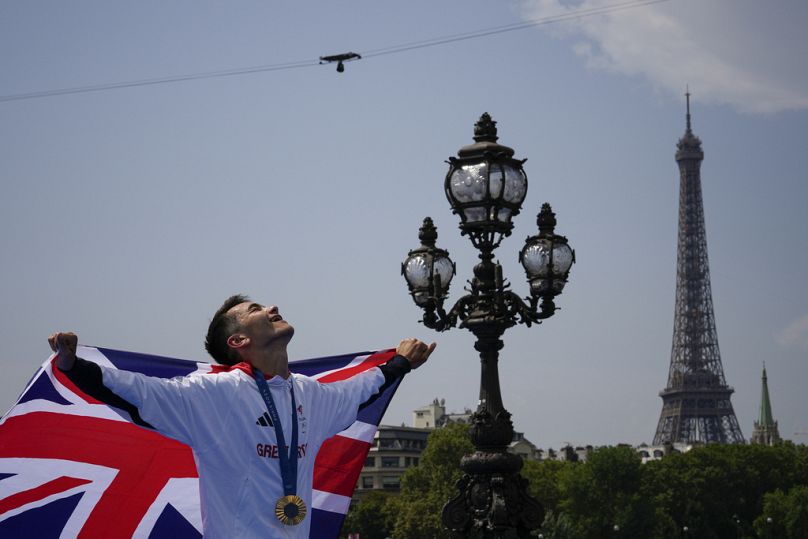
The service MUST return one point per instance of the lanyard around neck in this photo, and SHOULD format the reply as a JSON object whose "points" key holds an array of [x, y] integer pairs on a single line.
{"points": [[288, 462]]}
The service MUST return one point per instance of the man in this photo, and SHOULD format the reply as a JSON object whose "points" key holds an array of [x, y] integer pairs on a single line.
{"points": [[244, 492]]}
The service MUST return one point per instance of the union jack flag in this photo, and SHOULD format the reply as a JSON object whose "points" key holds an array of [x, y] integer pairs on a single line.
{"points": [[71, 466]]}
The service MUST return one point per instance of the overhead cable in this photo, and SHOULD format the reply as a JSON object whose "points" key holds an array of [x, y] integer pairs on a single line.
{"points": [[404, 47]]}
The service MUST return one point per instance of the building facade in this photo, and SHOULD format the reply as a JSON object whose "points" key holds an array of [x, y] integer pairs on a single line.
{"points": [[394, 449]]}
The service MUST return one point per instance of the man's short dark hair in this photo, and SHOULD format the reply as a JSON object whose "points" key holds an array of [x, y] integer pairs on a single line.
{"points": [[222, 326]]}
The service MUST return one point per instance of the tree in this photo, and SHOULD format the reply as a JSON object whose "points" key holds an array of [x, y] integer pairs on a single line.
{"points": [[797, 515], [718, 490], [426, 488], [604, 492], [370, 517], [556, 526], [543, 478], [784, 515]]}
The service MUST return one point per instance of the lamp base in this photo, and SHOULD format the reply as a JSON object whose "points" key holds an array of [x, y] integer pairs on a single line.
{"points": [[493, 501], [492, 506]]}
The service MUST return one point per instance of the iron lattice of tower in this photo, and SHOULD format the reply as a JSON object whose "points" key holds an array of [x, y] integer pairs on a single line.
{"points": [[696, 403]]}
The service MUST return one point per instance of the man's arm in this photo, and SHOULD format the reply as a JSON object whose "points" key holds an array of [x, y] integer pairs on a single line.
{"points": [[410, 354], [180, 408], [87, 375], [344, 399]]}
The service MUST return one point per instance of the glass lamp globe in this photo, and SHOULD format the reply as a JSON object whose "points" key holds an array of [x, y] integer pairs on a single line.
{"points": [[547, 257], [428, 270], [485, 185]]}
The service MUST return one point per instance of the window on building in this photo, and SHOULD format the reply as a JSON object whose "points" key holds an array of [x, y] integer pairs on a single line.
{"points": [[390, 444], [389, 462], [367, 481], [370, 462], [390, 481]]}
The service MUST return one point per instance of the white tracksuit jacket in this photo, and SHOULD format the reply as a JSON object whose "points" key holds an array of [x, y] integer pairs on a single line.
{"points": [[217, 416]]}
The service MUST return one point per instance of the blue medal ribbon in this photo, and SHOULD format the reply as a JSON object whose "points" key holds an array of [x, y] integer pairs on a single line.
{"points": [[288, 461]]}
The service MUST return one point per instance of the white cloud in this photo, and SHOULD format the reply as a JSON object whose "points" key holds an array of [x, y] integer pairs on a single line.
{"points": [[796, 334], [744, 53]]}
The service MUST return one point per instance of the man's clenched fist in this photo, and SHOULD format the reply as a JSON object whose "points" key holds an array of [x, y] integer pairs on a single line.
{"points": [[64, 344]]}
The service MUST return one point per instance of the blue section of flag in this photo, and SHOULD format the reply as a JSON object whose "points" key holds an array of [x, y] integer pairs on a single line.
{"points": [[163, 367], [5, 475], [45, 522], [172, 524], [42, 388], [323, 522], [374, 411]]}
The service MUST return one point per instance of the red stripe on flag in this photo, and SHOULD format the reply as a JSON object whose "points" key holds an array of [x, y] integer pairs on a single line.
{"points": [[38, 493], [65, 381], [371, 361], [338, 464], [145, 460]]}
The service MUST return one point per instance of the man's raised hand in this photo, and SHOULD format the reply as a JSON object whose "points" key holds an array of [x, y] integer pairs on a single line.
{"points": [[415, 351], [64, 344]]}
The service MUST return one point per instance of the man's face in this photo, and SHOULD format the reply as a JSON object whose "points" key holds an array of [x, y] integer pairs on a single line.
{"points": [[262, 325]]}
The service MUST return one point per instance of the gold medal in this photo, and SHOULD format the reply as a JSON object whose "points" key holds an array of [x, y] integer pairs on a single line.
{"points": [[290, 510]]}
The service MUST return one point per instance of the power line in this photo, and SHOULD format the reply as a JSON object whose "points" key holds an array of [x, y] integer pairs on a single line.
{"points": [[404, 47], [163, 80], [577, 14]]}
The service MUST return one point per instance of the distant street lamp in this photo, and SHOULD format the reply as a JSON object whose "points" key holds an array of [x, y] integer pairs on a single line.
{"points": [[486, 186]]}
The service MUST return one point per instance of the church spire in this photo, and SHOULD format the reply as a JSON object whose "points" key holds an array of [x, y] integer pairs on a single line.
{"points": [[765, 416], [765, 431]]}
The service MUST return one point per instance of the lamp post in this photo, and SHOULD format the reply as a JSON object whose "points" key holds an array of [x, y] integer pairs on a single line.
{"points": [[485, 187]]}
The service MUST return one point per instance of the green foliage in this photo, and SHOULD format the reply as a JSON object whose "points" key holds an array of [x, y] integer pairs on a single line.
{"points": [[718, 490], [543, 478], [556, 526], [426, 488], [715, 491], [604, 492], [784, 515], [370, 517]]}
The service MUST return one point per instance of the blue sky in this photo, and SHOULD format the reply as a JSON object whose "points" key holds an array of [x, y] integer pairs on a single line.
{"points": [[129, 215]]}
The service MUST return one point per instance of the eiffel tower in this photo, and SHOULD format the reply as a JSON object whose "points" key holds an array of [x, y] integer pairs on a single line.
{"points": [[696, 403]]}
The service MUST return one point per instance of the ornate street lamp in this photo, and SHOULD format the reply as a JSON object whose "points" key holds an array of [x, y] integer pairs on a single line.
{"points": [[486, 186]]}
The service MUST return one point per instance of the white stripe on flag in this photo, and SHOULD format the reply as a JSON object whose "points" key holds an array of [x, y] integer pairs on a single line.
{"points": [[330, 502], [360, 431], [94, 354], [356, 361]]}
